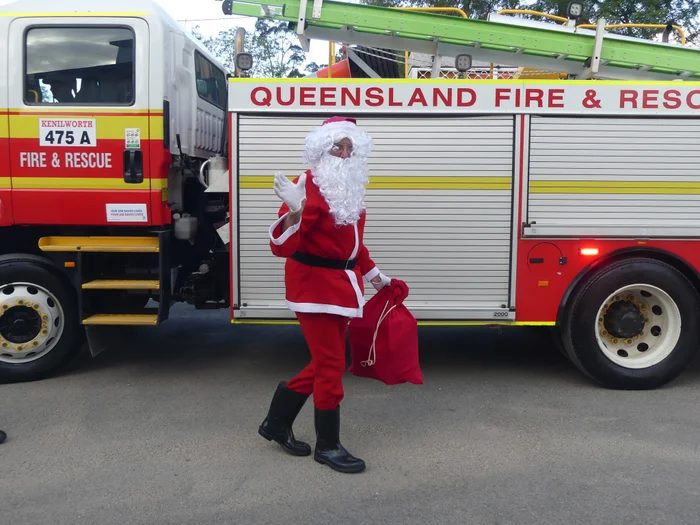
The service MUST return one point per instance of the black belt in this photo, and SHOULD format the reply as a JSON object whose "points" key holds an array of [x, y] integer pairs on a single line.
{"points": [[322, 262]]}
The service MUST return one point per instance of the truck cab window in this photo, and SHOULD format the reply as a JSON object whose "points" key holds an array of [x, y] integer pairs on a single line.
{"points": [[211, 81], [79, 65]]}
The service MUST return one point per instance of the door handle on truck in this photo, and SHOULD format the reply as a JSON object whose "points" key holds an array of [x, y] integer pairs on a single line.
{"points": [[133, 166]]}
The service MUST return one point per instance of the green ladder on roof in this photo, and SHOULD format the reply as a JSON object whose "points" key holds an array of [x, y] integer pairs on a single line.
{"points": [[583, 53]]}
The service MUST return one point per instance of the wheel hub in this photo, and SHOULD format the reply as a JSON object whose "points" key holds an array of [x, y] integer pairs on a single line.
{"points": [[20, 324], [31, 322], [638, 326], [624, 320]]}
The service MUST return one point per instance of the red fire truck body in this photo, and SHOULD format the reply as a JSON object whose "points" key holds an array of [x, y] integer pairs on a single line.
{"points": [[568, 204], [572, 204]]}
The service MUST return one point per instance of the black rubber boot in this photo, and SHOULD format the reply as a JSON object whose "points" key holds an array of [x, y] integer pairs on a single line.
{"points": [[329, 451], [284, 409], [3, 436]]}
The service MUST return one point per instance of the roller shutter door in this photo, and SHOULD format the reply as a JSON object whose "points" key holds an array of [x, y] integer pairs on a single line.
{"points": [[614, 176], [439, 208]]}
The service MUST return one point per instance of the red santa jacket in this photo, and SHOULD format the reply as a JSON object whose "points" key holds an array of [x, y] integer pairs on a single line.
{"points": [[313, 289]]}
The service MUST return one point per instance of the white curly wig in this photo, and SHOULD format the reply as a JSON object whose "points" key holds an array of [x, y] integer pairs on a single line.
{"points": [[342, 182], [321, 140]]}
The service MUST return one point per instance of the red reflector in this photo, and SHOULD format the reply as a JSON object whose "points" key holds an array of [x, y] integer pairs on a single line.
{"points": [[590, 251]]}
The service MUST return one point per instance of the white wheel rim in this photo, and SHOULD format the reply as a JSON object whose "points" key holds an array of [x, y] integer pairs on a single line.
{"points": [[657, 338], [46, 321]]}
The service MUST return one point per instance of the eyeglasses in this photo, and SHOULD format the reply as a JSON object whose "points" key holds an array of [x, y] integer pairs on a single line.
{"points": [[337, 148]]}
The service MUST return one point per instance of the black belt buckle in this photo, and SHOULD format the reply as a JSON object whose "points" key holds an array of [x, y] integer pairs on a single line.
{"points": [[349, 264]]}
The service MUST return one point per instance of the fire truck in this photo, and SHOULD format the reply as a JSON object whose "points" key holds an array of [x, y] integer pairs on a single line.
{"points": [[136, 172]]}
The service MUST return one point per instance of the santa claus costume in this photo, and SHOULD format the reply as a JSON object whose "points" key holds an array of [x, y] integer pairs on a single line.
{"points": [[320, 232]]}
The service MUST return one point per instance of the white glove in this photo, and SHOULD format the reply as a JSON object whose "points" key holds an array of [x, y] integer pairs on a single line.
{"points": [[384, 281], [292, 194]]}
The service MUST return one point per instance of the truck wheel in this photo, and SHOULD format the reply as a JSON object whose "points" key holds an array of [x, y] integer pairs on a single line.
{"points": [[39, 329], [633, 325]]}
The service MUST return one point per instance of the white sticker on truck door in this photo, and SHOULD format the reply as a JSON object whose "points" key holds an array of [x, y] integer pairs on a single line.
{"points": [[132, 138], [127, 213], [68, 132]]}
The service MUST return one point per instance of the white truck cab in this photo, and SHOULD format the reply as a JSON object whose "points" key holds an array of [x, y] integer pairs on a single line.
{"points": [[134, 57]]}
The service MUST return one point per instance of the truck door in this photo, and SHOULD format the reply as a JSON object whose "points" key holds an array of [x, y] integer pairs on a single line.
{"points": [[5, 188], [78, 123]]}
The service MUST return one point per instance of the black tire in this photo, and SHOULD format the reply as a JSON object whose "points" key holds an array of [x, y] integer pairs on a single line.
{"points": [[39, 271], [580, 324], [554, 334]]}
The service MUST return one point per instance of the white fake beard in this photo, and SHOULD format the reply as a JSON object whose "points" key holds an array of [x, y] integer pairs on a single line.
{"points": [[342, 183]]}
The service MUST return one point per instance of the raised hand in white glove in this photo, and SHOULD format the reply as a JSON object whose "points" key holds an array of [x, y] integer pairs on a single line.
{"points": [[380, 281], [294, 195]]}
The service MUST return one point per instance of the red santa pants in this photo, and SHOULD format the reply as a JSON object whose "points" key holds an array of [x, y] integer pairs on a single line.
{"points": [[322, 377]]}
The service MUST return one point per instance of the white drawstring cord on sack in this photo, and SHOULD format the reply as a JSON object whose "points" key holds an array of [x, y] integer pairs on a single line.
{"points": [[372, 357]]}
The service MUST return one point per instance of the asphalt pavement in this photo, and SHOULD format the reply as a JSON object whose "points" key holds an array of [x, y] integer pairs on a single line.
{"points": [[162, 429]]}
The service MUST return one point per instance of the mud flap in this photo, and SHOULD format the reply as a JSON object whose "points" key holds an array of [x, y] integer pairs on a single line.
{"points": [[102, 338]]}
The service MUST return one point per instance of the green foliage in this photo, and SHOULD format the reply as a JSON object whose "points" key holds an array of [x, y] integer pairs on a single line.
{"points": [[275, 49], [222, 45], [276, 52], [683, 13], [473, 8], [312, 67]]}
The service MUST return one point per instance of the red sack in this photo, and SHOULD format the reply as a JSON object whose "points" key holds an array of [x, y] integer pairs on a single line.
{"points": [[384, 342]]}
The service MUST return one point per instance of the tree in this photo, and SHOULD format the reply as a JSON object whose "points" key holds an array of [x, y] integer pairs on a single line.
{"points": [[473, 8], [313, 67], [275, 49], [222, 46], [277, 54], [683, 13]]}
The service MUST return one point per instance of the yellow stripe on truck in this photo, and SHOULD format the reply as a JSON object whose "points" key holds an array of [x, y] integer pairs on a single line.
{"points": [[80, 183], [420, 323], [5, 183], [63, 111], [615, 187], [25, 122], [258, 182], [106, 127], [156, 130]]}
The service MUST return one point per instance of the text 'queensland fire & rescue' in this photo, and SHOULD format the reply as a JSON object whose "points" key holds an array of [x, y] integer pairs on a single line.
{"points": [[489, 97]]}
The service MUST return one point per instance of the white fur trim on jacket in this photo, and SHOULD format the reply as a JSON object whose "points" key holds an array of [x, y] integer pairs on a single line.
{"points": [[317, 308], [279, 241], [371, 274]]}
